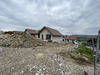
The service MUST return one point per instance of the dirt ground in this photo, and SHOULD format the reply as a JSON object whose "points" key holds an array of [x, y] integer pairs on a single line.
{"points": [[48, 59]]}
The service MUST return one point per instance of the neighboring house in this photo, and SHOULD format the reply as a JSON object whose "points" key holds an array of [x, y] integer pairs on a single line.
{"points": [[8, 32], [16, 32], [13, 32], [32, 32], [1, 32], [50, 34], [70, 38]]}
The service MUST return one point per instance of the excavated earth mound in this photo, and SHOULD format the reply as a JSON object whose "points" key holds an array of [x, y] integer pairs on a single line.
{"points": [[21, 40]]}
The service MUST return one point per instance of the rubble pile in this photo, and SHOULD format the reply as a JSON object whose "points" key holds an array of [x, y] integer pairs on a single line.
{"points": [[19, 57], [22, 61], [21, 40]]}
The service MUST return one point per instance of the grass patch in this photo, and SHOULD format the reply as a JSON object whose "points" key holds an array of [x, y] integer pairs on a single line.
{"points": [[83, 55], [87, 52]]}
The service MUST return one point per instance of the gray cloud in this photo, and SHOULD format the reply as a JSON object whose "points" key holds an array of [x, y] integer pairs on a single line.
{"points": [[67, 16]]}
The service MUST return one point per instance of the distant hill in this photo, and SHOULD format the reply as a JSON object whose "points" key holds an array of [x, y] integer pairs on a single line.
{"points": [[85, 36]]}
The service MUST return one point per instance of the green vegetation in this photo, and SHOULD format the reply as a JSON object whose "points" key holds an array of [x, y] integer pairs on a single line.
{"points": [[83, 39], [84, 51]]}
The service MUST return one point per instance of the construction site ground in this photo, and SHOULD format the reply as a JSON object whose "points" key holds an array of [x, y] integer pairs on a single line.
{"points": [[48, 59]]}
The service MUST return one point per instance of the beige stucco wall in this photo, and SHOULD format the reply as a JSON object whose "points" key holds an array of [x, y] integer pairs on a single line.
{"points": [[53, 38]]}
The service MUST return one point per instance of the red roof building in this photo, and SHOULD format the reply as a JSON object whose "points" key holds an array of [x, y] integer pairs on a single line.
{"points": [[13, 32], [67, 37], [31, 31], [50, 34], [54, 32]]}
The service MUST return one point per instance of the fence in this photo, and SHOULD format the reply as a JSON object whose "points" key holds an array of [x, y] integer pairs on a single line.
{"points": [[98, 55]]}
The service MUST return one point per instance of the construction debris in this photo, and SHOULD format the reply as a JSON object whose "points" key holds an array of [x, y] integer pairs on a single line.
{"points": [[29, 61], [21, 40], [19, 57]]}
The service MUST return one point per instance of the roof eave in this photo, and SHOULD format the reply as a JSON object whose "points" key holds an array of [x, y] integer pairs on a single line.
{"points": [[58, 35]]}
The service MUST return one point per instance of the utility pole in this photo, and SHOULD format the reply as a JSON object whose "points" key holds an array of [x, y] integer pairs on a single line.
{"points": [[97, 49], [94, 56]]}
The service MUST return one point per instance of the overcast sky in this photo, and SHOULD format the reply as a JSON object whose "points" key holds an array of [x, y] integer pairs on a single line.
{"points": [[67, 16]]}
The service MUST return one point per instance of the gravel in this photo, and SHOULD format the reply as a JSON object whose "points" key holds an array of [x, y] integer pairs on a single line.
{"points": [[38, 61]]}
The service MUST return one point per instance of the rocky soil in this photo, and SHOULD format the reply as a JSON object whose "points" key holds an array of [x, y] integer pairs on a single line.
{"points": [[39, 61]]}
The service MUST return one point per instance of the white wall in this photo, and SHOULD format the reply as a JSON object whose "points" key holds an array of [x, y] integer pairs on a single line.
{"points": [[36, 36], [57, 39], [53, 38], [44, 32]]}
